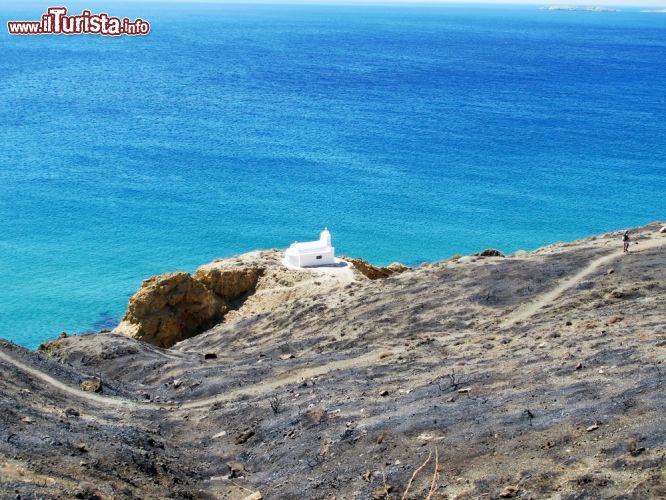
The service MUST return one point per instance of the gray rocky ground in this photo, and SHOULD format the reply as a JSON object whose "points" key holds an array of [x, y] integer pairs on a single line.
{"points": [[538, 375]]}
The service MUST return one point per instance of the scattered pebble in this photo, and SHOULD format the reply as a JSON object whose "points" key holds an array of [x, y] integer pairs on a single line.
{"points": [[381, 492], [509, 492], [236, 469], [242, 438], [634, 452], [91, 385]]}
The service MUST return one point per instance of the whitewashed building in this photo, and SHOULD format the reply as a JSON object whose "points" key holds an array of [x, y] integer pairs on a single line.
{"points": [[312, 253]]}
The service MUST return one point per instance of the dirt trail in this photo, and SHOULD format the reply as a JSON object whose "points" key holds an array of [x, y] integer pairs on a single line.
{"points": [[292, 376], [528, 310], [90, 396], [288, 377]]}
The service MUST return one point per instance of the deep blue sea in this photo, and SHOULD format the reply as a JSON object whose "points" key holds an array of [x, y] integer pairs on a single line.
{"points": [[412, 132]]}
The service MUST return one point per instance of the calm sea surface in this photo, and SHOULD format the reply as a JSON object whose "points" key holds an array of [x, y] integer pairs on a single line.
{"points": [[413, 133]]}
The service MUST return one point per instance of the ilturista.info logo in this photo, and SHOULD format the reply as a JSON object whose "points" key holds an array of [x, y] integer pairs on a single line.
{"points": [[56, 21]]}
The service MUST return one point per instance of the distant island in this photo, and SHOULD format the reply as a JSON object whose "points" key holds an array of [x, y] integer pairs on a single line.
{"points": [[656, 11], [579, 8]]}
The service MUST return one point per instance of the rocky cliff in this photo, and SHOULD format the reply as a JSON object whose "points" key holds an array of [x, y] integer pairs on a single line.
{"points": [[169, 308], [175, 306], [172, 307]]}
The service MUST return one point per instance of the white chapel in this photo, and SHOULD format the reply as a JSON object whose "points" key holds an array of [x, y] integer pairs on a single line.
{"points": [[312, 253]]}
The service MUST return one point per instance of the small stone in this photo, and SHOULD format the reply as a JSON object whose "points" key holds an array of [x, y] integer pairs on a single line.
{"points": [[81, 447], [634, 452], [91, 385], [614, 319], [177, 383], [509, 491], [579, 366], [591, 428], [451, 400], [611, 271], [71, 412], [384, 393], [27, 420], [284, 357], [315, 415], [569, 323], [381, 492], [464, 391], [220, 434], [242, 438], [236, 469]]}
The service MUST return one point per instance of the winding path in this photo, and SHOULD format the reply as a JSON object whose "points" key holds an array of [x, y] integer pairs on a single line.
{"points": [[529, 309], [290, 376], [67, 389], [287, 377]]}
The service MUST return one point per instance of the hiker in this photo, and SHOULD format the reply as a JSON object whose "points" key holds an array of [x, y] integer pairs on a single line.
{"points": [[625, 240]]}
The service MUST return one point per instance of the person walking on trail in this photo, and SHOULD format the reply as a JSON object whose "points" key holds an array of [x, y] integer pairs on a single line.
{"points": [[625, 240]]}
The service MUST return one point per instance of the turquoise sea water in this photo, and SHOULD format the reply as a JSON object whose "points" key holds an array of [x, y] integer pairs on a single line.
{"points": [[413, 133]]}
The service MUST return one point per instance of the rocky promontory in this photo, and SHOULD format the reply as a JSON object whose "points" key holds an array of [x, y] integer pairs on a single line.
{"points": [[172, 307], [538, 374], [175, 306]]}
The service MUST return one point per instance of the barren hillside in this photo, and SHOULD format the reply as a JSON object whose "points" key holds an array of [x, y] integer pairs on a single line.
{"points": [[537, 375]]}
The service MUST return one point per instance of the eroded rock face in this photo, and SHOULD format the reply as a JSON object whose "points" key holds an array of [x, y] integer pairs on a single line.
{"points": [[376, 272], [228, 283], [172, 307], [169, 308]]}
